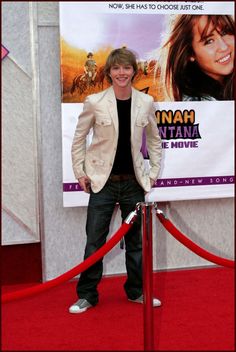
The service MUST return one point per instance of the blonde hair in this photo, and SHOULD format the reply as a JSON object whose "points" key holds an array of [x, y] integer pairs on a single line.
{"points": [[120, 56]]}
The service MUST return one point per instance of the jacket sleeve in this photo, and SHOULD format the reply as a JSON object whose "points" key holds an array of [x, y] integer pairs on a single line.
{"points": [[154, 145], [78, 149]]}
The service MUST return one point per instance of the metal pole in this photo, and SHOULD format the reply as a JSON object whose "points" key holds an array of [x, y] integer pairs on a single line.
{"points": [[147, 276]]}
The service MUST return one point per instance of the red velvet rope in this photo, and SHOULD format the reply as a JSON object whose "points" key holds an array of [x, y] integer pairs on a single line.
{"points": [[74, 271], [191, 245]]}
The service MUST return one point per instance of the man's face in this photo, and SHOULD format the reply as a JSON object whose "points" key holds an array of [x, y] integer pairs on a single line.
{"points": [[121, 75]]}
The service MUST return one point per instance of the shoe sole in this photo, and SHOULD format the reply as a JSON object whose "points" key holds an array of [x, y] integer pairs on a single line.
{"points": [[139, 302], [78, 311], [82, 310]]}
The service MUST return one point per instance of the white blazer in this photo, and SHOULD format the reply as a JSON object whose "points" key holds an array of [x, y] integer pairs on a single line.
{"points": [[100, 114]]}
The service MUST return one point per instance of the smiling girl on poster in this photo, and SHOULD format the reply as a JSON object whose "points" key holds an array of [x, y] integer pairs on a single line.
{"points": [[197, 60]]}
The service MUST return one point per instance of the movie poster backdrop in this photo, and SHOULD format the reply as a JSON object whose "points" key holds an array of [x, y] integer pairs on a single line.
{"points": [[197, 135]]}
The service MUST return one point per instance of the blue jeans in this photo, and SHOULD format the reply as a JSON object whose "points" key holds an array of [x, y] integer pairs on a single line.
{"points": [[100, 209]]}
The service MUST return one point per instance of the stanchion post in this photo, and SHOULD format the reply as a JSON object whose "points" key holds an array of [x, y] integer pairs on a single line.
{"points": [[147, 276]]}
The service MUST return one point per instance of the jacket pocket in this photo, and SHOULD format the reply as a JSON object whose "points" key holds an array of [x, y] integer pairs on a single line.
{"points": [[102, 121], [142, 121], [94, 161], [93, 165], [103, 128]]}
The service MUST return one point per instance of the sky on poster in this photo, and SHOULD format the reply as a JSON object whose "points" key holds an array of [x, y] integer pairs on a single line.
{"points": [[93, 31]]}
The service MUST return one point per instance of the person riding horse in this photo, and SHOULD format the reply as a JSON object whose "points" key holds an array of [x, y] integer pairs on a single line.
{"points": [[90, 69]]}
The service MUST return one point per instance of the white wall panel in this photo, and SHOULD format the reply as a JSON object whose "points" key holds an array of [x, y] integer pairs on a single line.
{"points": [[16, 35], [20, 158]]}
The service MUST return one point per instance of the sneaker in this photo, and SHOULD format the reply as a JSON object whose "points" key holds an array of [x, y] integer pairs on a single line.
{"points": [[156, 302], [80, 306]]}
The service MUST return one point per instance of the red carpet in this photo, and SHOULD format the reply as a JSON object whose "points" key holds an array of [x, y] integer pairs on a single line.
{"points": [[197, 315]]}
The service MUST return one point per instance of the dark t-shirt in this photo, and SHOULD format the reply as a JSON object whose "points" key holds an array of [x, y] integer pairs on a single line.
{"points": [[123, 163]]}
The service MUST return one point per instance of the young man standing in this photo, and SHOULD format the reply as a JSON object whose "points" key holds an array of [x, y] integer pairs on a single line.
{"points": [[112, 170]]}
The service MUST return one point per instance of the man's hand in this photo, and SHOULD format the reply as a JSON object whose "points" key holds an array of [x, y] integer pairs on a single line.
{"points": [[84, 183], [152, 182]]}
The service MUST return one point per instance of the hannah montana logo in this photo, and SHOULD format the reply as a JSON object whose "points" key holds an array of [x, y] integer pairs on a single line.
{"points": [[177, 124]]}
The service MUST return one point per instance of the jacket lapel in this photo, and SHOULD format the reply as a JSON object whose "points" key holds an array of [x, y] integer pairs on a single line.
{"points": [[135, 108], [112, 107]]}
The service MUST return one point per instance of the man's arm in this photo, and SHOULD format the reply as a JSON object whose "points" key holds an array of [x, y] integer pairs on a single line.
{"points": [[78, 149], [154, 146]]}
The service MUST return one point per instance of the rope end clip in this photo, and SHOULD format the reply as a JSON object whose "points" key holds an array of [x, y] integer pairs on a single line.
{"points": [[160, 212]]}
